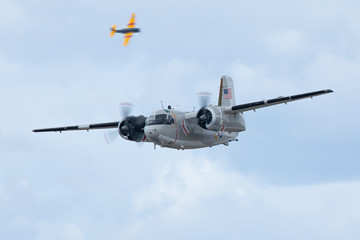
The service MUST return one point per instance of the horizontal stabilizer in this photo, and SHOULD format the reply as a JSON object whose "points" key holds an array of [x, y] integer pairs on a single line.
{"points": [[113, 30]]}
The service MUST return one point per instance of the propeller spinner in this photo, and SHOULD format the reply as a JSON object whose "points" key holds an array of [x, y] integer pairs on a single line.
{"points": [[125, 110], [204, 117]]}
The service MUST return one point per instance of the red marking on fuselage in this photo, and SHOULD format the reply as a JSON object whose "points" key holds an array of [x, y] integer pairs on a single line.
{"points": [[222, 129], [219, 133], [184, 128]]}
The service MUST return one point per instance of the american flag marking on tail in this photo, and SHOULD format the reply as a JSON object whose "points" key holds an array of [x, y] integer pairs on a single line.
{"points": [[227, 93]]}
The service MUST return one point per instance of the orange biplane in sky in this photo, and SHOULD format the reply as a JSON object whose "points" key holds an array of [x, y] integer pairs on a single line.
{"points": [[127, 31]]}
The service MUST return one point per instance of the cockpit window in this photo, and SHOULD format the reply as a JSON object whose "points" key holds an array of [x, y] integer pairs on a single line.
{"points": [[160, 119]]}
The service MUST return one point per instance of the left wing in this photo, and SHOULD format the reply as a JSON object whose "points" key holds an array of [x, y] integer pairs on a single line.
{"points": [[266, 103], [80, 127], [127, 38]]}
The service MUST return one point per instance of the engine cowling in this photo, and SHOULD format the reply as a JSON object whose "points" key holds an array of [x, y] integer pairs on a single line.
{"points": [[210, 118], [132, 128]]}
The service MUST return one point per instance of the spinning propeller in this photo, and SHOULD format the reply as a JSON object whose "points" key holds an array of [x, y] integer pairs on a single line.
{"points": [[110, 136], [204, 116], [204, 98], [125, 109]]}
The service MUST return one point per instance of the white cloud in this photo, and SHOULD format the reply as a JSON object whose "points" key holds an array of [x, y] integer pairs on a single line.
{"points": [[286, 41], [196, 195], [341, 74], [12, 16], [9, 70], [187, 182], [252, 83], [3, 195], [25, 184], [54, 231]]}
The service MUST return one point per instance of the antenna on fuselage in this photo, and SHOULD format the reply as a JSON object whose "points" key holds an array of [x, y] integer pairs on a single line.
{"points": [[162, 105]]}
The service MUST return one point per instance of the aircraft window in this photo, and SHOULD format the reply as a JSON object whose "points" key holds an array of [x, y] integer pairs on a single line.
{"points": [[160, 119]]}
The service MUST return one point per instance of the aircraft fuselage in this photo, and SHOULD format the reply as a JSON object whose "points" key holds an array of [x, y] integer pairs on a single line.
{"points": [[128, 30], [174, 130]]}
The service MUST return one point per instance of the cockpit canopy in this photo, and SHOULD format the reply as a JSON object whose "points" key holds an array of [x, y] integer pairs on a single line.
{"points": [[160, 118]]}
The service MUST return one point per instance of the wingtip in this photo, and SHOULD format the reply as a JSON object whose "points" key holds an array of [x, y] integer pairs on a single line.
{"points": [[329, 91]]}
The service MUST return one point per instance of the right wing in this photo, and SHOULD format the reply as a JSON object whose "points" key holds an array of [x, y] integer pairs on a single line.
{"points": [[80, 127], [266, 103], [127, 38]]}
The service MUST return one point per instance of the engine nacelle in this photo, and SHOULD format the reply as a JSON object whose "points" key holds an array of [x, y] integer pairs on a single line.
{"points": [[210, 118], [214, 118], [132, 128]]}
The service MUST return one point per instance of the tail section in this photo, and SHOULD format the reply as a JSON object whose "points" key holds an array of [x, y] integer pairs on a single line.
{"points": [[113, 30], [227, 93]]}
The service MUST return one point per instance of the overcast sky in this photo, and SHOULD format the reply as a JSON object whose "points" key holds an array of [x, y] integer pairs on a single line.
{"points": [[293, 174]]}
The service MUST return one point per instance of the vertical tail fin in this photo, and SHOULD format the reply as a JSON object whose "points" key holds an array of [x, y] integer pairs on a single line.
{"points": [[112, 30], [227, 93]]}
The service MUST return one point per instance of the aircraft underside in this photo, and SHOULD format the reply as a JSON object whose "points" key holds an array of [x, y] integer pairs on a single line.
{"points": [[165, 141], [171, 136]]}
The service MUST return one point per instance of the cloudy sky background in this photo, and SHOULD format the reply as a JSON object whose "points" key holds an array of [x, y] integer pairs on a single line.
{"points": [[294, 173]]}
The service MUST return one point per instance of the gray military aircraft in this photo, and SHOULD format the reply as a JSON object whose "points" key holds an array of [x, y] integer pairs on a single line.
{"points": [[209, 126]]}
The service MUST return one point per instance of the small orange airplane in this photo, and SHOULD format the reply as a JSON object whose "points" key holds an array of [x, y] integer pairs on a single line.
{"points": [[127, 31]]}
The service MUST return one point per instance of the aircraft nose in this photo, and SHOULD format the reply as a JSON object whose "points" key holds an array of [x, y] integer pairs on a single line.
{"points": [[151, 133]]}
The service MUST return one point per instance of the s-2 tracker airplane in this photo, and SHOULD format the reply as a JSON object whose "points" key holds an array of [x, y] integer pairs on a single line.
{"points": [[127, 31], [209, 126]]}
